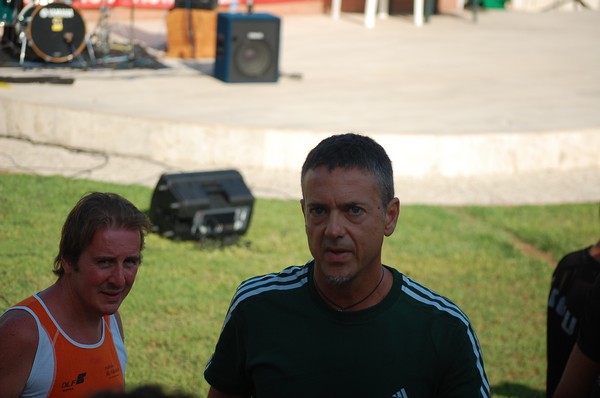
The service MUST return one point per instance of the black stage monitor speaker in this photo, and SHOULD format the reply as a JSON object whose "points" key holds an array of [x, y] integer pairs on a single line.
{"points": [[198, 205], [247, 47]]}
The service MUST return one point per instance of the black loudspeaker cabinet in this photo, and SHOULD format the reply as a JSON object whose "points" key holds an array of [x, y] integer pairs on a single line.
{"points": [[197, 4], [247, 47], [193, 206]]}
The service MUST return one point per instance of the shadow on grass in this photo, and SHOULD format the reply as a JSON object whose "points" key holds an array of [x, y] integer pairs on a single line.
{"points": [[513, 390]]}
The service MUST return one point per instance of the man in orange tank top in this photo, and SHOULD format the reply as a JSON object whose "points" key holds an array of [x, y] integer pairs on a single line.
{"points": [[67, 340]]}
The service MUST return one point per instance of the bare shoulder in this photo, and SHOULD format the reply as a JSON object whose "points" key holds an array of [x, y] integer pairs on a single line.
{"points": [[18, 344], [17, 326]]}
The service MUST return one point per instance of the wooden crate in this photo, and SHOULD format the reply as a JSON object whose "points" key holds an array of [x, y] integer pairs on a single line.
{"points": [[191, 33]]}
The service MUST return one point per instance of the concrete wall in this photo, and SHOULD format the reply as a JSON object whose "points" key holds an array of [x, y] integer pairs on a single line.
{"points": [[205, 146]]}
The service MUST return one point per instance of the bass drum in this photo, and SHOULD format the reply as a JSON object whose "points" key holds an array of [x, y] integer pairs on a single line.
{"points": [[54, 31]]}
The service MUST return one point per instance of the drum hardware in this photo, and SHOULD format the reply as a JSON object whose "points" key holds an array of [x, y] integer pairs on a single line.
{"points": [[101, 37], [23, 40]]}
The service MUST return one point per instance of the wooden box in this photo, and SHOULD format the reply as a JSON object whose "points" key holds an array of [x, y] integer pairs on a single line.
{"points": [[191, 33]]}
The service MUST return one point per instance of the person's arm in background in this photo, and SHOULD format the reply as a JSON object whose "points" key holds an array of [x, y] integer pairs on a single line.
{"points": [[579, 376], [214, 393], [583, 366]]}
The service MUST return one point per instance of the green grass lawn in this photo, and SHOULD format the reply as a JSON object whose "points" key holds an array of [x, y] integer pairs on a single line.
{"points": [[494, 262]]}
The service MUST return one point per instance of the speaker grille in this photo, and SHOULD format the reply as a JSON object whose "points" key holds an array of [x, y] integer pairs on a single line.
{"points": [[253, 58]]}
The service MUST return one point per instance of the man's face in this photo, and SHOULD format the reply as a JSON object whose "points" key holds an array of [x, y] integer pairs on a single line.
{"points": [[345, 222], [106, 270]]}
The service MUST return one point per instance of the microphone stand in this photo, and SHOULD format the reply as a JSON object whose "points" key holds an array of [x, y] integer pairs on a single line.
{"points": [[131, 30]]}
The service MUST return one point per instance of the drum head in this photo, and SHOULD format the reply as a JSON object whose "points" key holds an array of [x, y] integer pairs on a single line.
{"points": [[56, 32]]}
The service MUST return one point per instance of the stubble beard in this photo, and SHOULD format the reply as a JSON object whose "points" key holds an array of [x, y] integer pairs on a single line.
{"points": [[335, 280]]}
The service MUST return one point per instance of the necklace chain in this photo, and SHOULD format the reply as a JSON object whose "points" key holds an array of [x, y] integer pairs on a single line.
{"points": [[343, 309]]}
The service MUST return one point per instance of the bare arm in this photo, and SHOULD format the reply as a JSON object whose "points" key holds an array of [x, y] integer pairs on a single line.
{"points": [[214, 393], [18, 344], [578, 377]]}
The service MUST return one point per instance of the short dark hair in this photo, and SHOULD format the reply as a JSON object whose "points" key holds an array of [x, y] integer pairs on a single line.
{"points": [[94, 211], [350, 150]]}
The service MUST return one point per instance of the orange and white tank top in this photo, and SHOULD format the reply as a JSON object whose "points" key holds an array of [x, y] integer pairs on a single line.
{"points": [[63, 367]]}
